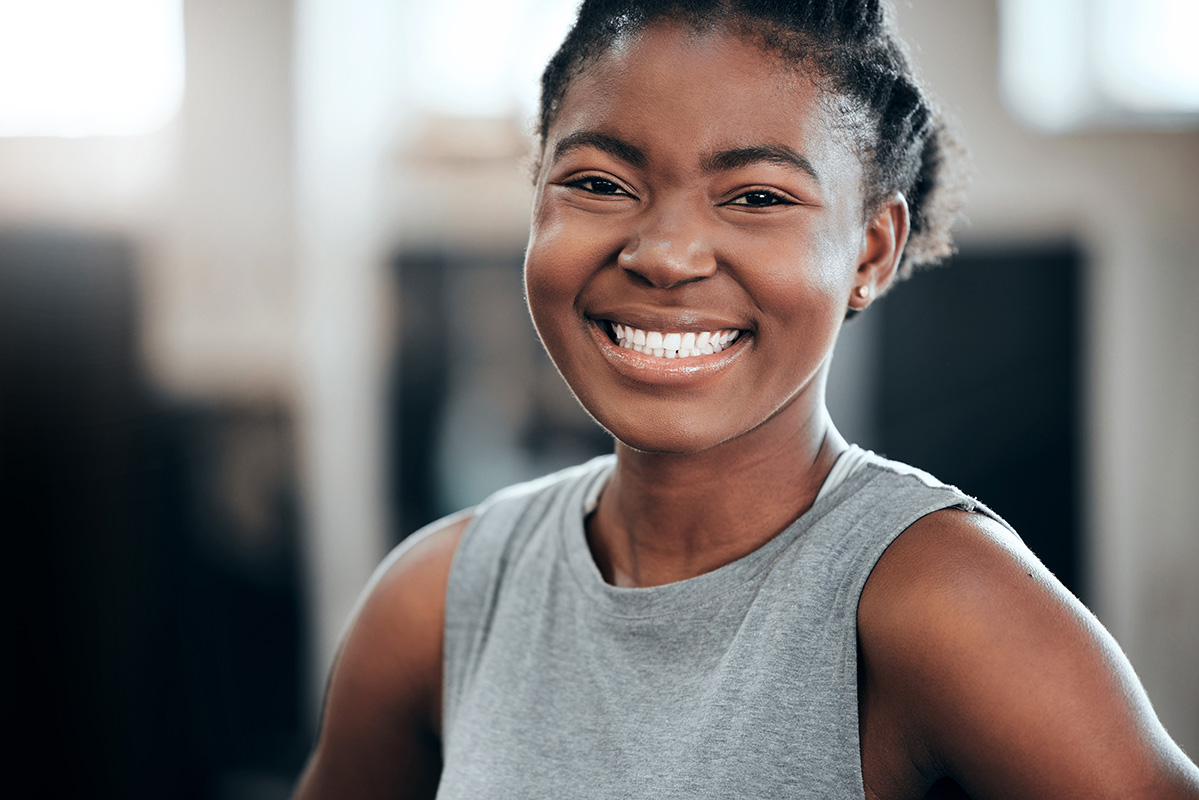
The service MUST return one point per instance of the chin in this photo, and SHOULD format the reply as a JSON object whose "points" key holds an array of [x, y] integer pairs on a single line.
{"points": [[671, 438]]}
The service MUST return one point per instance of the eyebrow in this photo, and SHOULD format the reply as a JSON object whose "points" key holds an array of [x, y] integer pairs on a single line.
{"points": [[759, 154], [722, 161], [617, 148]]}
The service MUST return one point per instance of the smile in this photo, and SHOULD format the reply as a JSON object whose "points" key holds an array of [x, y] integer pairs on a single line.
{"points": [[671, 344], [678, 365]]}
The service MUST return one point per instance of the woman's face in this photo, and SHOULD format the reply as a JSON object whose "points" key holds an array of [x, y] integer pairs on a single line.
{"points": [[693, 196]]}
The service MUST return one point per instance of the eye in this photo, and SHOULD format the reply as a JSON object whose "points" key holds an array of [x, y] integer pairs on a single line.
{"points": [[760, 198], [596, 185]]}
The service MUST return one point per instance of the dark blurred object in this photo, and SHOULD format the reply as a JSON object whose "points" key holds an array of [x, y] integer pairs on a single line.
{"points": [[418, 384], [217, 486], [152, 582], [981, 364], [69, 398], [477, 404]]}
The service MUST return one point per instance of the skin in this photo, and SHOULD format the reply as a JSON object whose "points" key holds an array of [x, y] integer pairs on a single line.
{"points": [[979, 671]]}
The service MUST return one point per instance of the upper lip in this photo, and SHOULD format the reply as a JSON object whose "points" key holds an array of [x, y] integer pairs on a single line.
{"points": [[681, 320]]}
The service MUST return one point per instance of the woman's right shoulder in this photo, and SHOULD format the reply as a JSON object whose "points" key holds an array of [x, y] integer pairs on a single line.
{"points": [[418, 568], [400, 618], [385, 688], [403, 603]]}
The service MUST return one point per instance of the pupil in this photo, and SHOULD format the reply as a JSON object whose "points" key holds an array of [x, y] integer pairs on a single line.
{"points": [[758, 199]]}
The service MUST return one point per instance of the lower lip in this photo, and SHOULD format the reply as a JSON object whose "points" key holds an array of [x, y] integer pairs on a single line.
{"points": [[666, 371]]}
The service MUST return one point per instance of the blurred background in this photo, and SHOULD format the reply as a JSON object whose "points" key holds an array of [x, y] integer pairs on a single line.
{"points": [[261, 317]]}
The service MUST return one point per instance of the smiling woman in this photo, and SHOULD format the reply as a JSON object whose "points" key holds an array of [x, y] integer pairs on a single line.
{"points": [[739, 603]]}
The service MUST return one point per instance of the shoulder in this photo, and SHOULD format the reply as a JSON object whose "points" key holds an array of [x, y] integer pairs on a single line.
{"points": [[381, 722], [423, 559], [396, 630], [1000, 677]]}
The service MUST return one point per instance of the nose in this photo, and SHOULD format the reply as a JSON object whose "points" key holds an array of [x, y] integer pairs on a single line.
{"points": [[670, 248]]}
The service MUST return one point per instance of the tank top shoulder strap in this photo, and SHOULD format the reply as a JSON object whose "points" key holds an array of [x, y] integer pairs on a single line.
{"points": [[503, 527]]}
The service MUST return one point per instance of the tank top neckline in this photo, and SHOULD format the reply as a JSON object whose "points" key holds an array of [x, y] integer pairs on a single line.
{"points": [[701, 590]]}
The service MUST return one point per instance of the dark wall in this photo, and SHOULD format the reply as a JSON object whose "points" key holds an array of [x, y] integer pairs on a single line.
{"points": [[980, 385], [476, 403], [151, 586]]}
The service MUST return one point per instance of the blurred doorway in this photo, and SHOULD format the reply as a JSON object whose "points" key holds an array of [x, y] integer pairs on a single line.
{"points": [[980, 367]]}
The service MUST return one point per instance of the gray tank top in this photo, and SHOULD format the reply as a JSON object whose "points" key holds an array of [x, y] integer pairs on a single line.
{"points": [[738, 683]]}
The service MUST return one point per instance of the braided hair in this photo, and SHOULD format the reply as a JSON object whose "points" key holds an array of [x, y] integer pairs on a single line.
{"points": [[903, 143]]}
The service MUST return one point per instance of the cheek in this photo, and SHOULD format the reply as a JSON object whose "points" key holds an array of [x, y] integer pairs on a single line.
{"points": [[804, 299], [838, 245], [811, 281], [561, 258], [546, 267], [556, 271], [838, 248]]}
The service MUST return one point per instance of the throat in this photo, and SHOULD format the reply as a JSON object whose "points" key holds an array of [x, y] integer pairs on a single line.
{"points": [[663, 519]]}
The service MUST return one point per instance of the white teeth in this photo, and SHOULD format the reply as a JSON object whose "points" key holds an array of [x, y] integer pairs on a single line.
{"points": [[673, 344]]}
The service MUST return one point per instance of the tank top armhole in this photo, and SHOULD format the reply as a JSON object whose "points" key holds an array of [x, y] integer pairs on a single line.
{"points": [[893, 497]]}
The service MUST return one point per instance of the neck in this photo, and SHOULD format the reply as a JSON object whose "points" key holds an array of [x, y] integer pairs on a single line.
{"points": [[668, 517]]}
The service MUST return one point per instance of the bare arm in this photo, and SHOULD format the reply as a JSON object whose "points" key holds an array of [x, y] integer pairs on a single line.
{"points": [[1001, 679], [380, 731]]}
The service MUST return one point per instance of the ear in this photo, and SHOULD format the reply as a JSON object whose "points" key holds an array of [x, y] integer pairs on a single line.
{"points": [[882, 250]]}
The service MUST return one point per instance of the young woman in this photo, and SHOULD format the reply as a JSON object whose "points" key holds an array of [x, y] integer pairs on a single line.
{"points": [[739, 603]]}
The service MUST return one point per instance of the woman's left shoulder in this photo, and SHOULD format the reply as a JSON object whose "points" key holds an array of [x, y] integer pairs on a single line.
{"points": [[1005, 681], [965, 555]]}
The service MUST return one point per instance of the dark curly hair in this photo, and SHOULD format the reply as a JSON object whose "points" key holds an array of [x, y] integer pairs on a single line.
{"points": [[903, 142]]}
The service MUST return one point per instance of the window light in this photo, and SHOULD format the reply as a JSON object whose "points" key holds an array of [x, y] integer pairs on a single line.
{"points": [[89, 68], [1066, 64]]}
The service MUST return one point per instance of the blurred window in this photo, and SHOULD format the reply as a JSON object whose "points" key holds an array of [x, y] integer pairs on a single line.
{"points": [[88, 68], [1067, 64], [473, 70]]}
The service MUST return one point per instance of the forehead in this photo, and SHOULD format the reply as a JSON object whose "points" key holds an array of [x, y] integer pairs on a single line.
{"points": [[680, 95]]}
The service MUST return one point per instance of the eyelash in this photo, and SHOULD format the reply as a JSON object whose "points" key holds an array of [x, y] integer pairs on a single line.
{"points": [[581, 183], [776, 199]]}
